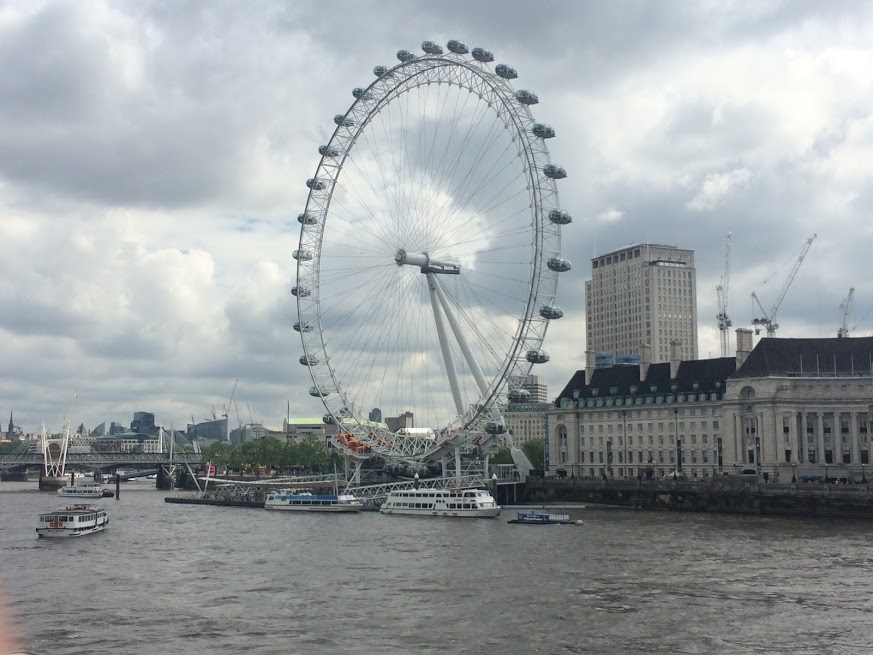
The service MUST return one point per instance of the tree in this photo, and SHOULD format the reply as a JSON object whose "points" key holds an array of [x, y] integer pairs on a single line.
{"points": [[534, 448], [503, 456]]}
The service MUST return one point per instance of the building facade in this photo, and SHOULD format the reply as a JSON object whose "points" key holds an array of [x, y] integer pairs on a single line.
{"points": [[800, 408], [526, 421], [642, 295], [640, 421]]}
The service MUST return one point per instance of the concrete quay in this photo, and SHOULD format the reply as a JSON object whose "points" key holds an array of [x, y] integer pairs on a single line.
{"points": [[727, 494]]}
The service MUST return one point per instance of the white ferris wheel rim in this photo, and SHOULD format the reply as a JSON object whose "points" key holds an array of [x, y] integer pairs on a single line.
{"points": [[326, 368]]}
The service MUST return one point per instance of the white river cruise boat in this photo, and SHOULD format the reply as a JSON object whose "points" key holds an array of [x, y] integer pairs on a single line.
{"points": [[82, 490], [72, 521], [472, 503], [298, 500]]}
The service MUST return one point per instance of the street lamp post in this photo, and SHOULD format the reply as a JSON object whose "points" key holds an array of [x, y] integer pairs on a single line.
{"points": [[678, 440], [624, 432]]}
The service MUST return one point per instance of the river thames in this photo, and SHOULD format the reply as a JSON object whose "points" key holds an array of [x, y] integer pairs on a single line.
{"points": [[167, 578]]}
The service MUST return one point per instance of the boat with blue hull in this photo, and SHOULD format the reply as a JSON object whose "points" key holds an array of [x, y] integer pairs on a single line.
{"points": [[543, 518]]}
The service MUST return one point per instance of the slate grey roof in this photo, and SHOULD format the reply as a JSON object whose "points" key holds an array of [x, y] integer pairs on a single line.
{"points": [[809, 357], [705, 372]]}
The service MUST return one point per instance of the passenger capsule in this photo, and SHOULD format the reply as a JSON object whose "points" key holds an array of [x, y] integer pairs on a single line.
{"points": [[302, 255], [316, 184], [329, 419], [329, 151], [432, 48], [458, 47], [318, 392], [362, 94], [537, 356], [559, 217], [554, 171], [483, 55], [495, 427], [526, 97], [300, 292], [302, 327], [308, 360], [506, 72], [558, 264], [342, 121], [380, 71], [543, 131], [306, 219], [551, 312], [405, 55], [518, 395]]}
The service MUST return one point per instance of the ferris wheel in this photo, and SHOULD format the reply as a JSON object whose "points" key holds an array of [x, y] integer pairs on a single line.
{"points": [[429, 255]]}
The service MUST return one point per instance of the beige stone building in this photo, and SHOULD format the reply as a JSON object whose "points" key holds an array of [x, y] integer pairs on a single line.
{"points": [[642, 295], [787, 409], [800, 408]]}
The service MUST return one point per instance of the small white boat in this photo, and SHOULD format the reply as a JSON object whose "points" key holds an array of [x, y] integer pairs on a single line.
{"points": [[82, 490], [300, 500], [459, 503], [72, 521]]}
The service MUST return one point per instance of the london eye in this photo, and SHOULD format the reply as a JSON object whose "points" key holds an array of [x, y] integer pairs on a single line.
{"points": [[429, 255]]}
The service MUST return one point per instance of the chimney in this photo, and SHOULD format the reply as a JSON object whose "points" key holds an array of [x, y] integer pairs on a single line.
{"points": [[589, 366], [744, 345], [645, 360], [674, 358]]}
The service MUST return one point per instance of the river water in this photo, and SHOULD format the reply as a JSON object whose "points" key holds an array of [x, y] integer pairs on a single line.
{"points": [[167, 578]]}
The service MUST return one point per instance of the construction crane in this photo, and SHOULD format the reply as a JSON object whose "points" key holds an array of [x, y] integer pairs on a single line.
{"points": [[846, 306], [769, 320], [251, 420], [724, 322], [227, 408]]}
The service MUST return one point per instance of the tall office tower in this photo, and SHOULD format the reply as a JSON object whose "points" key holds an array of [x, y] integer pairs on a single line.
{"points": [[642, 295]]}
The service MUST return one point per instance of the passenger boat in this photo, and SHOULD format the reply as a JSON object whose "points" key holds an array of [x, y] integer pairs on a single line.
{"points": [[72, 521], [541, 518], [300, 500], [82, 490], [471, 503]]}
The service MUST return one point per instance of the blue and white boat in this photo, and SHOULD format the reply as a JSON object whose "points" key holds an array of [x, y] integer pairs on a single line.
{"points": [[542, 518], [300, 500]]}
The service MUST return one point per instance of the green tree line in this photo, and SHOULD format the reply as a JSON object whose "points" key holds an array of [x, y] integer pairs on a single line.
{"points": [[307, 454]]}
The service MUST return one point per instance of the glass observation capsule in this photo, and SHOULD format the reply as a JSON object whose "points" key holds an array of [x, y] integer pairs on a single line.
{"points": [[537, 356], [458, 47], [560, 217], [483, 55], [506, 72], [558, 264], [543, 131], [551, 312], [432, 48], [526, 97], [518, 395], [554, 171]]}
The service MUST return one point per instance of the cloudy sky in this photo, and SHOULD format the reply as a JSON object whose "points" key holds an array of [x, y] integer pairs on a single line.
{"points": [[153, 158]]}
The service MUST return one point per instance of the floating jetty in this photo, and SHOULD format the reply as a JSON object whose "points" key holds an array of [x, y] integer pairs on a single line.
{"points": [[222, 502]]}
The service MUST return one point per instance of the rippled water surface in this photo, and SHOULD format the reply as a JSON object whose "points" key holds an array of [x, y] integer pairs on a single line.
{"points": [[167, 578]]}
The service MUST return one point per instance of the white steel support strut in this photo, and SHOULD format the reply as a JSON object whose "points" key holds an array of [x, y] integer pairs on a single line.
{"points": [[462, 339], [444, 343]]}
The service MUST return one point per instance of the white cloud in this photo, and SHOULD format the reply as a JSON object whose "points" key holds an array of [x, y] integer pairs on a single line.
{"points": [[152, 161], [717, 187]]}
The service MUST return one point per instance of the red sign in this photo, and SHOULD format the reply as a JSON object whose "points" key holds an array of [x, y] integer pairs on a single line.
{"points": [[210, 469]]}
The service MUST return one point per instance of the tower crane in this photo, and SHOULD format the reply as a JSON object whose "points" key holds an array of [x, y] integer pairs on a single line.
{"points": [[846, 306], [722, 290], [769, 320]]}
